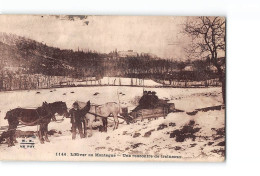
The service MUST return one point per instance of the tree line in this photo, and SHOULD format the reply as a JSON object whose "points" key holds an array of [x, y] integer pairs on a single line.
{"points": [[33, 58]]}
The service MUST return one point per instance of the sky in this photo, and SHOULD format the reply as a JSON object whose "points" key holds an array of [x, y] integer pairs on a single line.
{"points": [[159, 35]]}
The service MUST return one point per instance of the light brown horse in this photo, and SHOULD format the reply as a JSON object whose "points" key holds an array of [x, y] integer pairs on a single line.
{"points": [[103, 112]]}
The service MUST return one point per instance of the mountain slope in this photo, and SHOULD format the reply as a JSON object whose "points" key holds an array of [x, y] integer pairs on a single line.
{"points": [[36, 57]]}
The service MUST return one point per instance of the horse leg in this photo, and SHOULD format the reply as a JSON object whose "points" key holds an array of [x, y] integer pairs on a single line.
{"points": [[79, 126], [16, 124], [116, 121], [46, 133], [74, 131], [90, 126], [85, 127], [104, 120], [11, 130], [40, 134], [105, 124]]}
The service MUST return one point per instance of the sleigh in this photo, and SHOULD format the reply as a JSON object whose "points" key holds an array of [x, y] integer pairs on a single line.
{"points": [[139, 114]]}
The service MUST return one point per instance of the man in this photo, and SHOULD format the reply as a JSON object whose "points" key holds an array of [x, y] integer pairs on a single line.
{"points": [[149, 100], [77, 117], [143, 103], [154, 99]]}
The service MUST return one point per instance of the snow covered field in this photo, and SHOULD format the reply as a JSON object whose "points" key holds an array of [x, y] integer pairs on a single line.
{"points": [[179, 137]]}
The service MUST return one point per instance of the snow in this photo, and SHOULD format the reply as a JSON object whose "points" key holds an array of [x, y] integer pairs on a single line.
{"points": [[122, 140]]}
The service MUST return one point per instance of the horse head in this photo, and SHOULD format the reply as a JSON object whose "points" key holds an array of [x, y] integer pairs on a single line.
{"points": [[62, 109], [46, 107], [87, 107]]}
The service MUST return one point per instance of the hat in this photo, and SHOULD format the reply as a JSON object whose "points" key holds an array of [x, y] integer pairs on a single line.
{"points": [[75, 104]]}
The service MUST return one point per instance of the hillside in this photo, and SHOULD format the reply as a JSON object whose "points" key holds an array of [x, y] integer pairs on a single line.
{"points": [[32, 57], [36, 57]]}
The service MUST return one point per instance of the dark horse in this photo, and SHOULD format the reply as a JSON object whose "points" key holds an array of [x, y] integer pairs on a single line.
{"points": [[30, 117]]}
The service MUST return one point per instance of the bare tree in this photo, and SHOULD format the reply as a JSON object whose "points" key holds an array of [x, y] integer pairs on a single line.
{"points": [[209, 41]]}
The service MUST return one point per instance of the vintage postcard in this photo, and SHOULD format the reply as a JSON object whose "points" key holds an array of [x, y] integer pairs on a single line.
{"points": [[112, 88]]}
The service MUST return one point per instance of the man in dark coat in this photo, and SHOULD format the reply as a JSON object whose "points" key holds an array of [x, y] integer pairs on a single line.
{"points": [[144, 101], [77, 117], [148, 100], [154, 99]]}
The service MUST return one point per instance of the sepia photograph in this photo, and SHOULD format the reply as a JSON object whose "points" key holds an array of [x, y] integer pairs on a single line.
{"points": [[112, 88]]}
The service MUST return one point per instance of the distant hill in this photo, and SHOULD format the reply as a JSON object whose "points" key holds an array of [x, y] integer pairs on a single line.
{"points": [[36, 57]]}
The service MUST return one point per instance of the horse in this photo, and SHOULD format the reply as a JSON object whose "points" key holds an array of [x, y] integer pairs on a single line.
{"points": [[30, 117], [103, 112], [58, 107]]}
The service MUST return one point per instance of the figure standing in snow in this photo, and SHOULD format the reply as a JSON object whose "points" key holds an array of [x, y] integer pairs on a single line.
{"points": [[77, 118]]}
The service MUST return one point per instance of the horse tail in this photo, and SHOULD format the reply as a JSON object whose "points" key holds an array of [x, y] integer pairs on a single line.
{"points": [[7, 115], [12, 113]]}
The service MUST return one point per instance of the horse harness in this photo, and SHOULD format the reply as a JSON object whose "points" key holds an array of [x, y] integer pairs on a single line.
{"points": [[40, 118]]}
